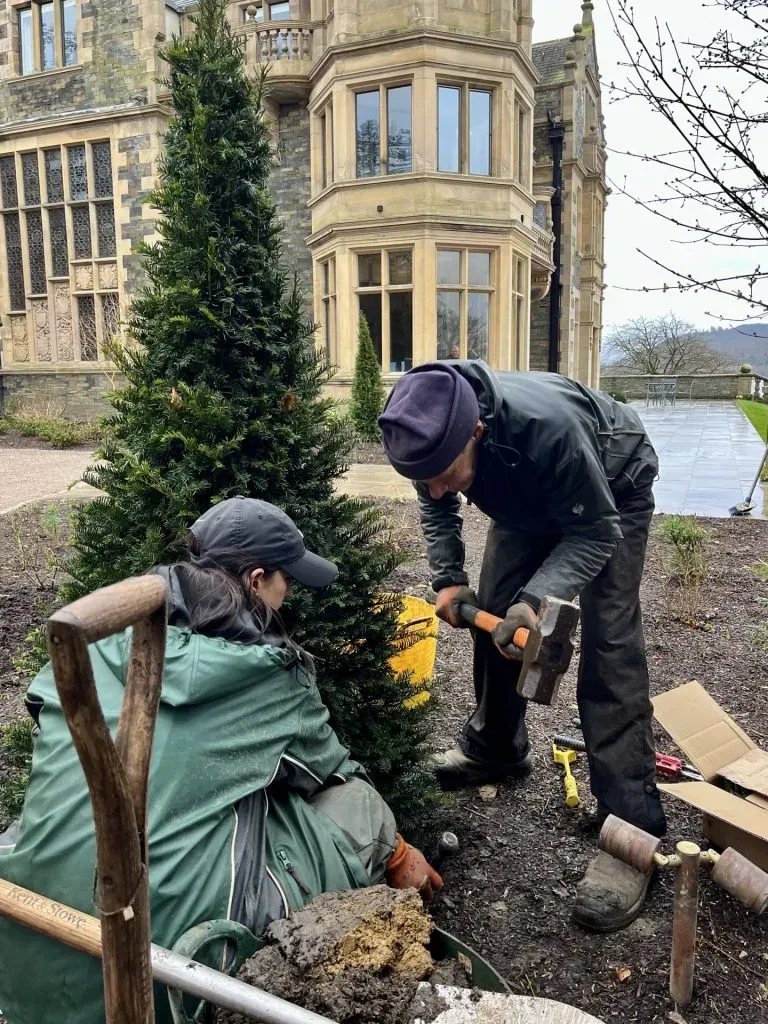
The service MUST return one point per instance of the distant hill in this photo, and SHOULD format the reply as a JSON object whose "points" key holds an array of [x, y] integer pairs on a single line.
{"points": [[745, 344]]}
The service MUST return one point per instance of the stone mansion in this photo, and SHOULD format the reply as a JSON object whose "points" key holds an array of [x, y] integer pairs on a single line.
{"points": [[433, 169]]}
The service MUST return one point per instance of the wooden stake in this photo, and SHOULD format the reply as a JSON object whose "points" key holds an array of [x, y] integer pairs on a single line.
{"points": [[684, 924]]}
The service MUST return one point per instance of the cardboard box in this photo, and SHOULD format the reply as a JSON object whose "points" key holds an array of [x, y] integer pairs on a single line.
{"points": [[721, 751]]}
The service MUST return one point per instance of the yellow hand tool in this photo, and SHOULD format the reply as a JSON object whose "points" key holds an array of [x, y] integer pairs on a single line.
{"points": [[565, 757]]}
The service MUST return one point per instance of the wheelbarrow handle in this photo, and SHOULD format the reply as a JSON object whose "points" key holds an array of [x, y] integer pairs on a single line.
{"points": [[487, 622]]}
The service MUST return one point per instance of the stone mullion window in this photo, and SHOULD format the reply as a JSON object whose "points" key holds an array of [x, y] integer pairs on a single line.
{"points": [[465, 294], [47, 33], [328, 299], [384, 130], [385, 297]]}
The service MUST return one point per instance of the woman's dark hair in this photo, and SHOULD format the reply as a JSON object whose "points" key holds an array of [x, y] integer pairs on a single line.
{"points": [[220, 602]]}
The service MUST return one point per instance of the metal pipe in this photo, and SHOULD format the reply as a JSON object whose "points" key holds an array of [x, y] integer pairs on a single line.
{"points": [[684, 924], [556, 139], [214, 987]]}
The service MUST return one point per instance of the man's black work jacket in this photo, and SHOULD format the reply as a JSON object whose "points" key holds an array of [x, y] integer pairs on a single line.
{"points": [[553, 459]]}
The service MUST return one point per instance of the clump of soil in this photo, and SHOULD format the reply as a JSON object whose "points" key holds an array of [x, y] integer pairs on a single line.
{"points": [[351, 956]]}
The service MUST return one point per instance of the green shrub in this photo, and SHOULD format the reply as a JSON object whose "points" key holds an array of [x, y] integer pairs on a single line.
{"points": [[367, 390], [618, 396], [686, 570], [61, 433], [16, 741]]}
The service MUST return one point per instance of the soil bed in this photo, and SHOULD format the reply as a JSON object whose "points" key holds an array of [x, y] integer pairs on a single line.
{"points": [[510, 890]]}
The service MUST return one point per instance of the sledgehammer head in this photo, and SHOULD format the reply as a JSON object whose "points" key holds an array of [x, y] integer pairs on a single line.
{"points": [[548, 651]]}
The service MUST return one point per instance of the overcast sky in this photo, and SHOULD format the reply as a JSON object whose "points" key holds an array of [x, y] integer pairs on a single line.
{"points": [[631, 126]]}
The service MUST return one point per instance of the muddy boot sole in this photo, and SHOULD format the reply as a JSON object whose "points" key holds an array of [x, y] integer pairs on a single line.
{"points": [[452, 776], [610, 896]]}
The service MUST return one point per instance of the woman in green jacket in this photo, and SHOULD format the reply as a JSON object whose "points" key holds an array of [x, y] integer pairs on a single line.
{"points": [[255, 807]]}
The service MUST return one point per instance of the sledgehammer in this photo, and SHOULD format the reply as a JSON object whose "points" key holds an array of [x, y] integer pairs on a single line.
{"points": [[547, 649]]}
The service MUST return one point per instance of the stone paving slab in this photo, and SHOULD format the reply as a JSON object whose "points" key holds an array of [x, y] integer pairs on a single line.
{"points": [[33, 474], [708, 456]]}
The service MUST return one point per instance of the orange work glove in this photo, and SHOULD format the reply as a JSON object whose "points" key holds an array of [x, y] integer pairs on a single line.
{"points": [[407, 868]]}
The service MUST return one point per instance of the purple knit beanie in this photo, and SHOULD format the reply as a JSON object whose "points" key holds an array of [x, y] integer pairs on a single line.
{"points": [[429, 418]]}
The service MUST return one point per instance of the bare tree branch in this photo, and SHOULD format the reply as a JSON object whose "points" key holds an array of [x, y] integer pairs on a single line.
{"points": [[717, 190]]}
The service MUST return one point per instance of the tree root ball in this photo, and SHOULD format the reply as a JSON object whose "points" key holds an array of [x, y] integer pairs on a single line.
{"points": [[356, 957]]}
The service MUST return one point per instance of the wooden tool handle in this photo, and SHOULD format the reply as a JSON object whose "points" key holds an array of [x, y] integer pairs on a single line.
{"points": [[112, 609], [117, 773], [487, 622], [56, 920]]}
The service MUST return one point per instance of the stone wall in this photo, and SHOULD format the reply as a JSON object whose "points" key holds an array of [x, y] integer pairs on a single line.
{"points": [[715, 385], [72, 396], [116, 53], [290, 185], [539, 351]]}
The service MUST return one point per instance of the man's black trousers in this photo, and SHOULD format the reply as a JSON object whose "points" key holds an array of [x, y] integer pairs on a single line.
{"points": [[613, 688]]}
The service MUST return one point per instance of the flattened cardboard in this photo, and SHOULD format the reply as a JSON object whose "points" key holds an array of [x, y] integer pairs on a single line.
{"points": [[758, 801], [723, 835], [728, 820], [750, 772], [725, 806], [700, 727]]}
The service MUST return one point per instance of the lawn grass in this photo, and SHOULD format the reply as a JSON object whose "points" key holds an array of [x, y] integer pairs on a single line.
{"points": [[757, 414]]}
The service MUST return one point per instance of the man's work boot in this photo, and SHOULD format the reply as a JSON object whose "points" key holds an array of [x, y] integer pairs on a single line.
{"points": [[610, 895], [455, 770]]}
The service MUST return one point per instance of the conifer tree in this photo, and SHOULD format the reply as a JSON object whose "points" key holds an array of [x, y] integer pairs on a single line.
{"points": [[367, 391], [224, 396]]}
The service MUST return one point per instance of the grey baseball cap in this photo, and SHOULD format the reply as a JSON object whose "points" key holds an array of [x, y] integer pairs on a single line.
{"points": [[264, 533]]}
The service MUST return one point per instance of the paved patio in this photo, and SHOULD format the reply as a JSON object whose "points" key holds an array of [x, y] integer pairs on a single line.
{"points": [[708, 453]]}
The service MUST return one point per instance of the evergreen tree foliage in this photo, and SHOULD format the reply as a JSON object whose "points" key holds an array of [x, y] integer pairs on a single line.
{"points": [[224, 397], [367, 391]]}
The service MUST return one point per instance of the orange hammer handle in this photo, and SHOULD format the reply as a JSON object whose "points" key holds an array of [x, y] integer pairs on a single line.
{"points": [[487, 622]]}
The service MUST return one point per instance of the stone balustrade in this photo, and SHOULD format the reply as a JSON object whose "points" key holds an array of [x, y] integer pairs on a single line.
{"points": [[287, 41], [705, 385]]}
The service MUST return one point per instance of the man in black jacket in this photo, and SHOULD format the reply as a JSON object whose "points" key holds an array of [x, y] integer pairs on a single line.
{"points": [[565, 474]]}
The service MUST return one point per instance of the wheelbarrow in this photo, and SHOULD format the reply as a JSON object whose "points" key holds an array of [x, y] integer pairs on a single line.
{"points": [[226, 945]]}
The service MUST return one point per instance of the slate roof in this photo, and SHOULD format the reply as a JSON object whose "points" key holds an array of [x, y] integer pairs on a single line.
{"points": [[549, 59]]}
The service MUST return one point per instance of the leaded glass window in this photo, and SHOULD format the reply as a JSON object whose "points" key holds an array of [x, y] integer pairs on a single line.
{"points": [[102, 169], [54, 181], [15, 265], [57, 223], [8, 188], [36, 246], [110, 313], [78, 173], [105, 229], [39, 233], [81, 228], [31, 174], [86, 318]]}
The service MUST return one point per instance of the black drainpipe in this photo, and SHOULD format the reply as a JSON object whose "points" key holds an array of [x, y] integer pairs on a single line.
{"points": [[556, 137]]}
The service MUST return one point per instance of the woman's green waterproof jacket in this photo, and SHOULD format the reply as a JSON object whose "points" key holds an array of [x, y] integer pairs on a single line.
{"points": [[242, 741]]}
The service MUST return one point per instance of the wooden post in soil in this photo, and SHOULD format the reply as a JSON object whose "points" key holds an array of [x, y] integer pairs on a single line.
{"points": [[684, 923], [117, 772]]}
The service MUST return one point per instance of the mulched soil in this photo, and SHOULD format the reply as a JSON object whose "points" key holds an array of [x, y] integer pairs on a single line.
{"points": [[370, 454], [510, 890]]}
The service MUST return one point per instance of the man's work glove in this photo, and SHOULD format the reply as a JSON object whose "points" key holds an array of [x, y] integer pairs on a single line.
{"points": [[407, 868], [520, 614], [448, 601]]}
